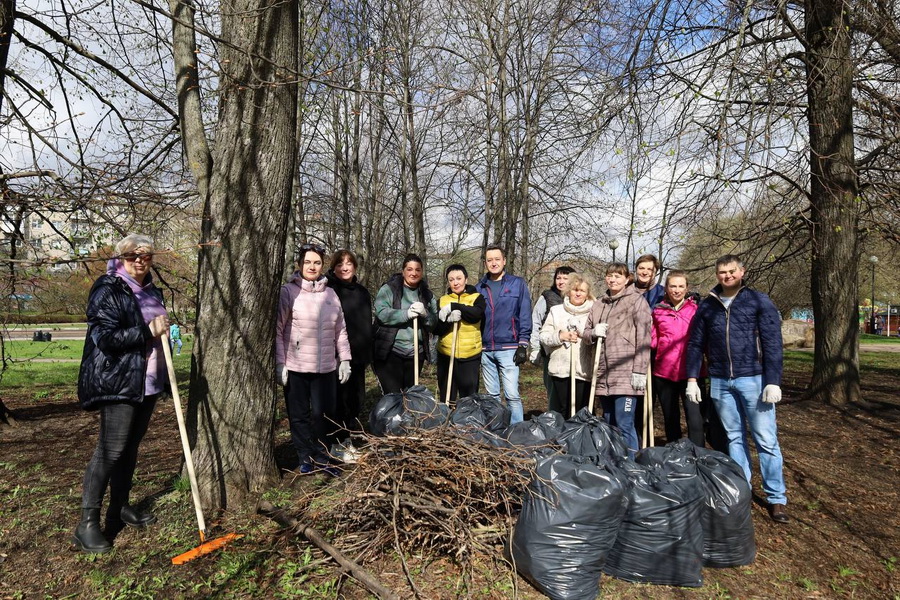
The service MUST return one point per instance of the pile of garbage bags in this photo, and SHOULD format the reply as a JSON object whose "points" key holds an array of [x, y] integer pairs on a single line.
{"points": [[590, 509]]}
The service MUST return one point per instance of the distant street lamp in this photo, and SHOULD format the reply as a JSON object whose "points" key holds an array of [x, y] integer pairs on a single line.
{"points": [[612, 246], [874, 260]]}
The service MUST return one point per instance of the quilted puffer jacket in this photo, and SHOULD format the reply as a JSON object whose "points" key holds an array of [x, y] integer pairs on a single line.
{"points": [[310, 334], [740, 341], [114, 362]]}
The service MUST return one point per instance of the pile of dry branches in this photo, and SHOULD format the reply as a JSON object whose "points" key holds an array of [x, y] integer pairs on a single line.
{"points": [[434, 493]]}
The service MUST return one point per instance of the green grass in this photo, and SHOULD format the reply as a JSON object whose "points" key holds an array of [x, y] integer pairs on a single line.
{"points": [[41, 379], [868, 338]]}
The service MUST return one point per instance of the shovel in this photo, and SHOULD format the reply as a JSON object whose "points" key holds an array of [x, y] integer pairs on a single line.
{"points": [[452, 356], [205, 547], [648, 410], [572, 373]]}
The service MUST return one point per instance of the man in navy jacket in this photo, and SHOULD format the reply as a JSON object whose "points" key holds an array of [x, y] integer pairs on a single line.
{"points": [[506, 330], [739, 330]]}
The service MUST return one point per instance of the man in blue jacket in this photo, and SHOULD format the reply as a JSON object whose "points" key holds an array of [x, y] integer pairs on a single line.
{"points": [[739, 330], [506, 330]]}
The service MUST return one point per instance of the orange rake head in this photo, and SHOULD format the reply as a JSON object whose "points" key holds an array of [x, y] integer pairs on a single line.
{"points": [[205, 548]]}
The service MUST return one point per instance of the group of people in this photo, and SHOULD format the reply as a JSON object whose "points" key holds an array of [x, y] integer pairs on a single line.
{"points": [[328, 330]]}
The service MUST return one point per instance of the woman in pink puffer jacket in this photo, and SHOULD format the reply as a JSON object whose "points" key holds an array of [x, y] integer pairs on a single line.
{"points": [[672, 318], [310, 338]]}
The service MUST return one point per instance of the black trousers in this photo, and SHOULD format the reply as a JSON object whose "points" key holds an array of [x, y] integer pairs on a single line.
{"points": [[466, 376], [310, 400], [561, 401], [350, 397], [122, 427], [671, 400], [396, 373]]}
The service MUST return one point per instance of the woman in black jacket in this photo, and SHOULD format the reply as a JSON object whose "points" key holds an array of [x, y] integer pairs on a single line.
{"points": [[123, 373], [356, 302]]}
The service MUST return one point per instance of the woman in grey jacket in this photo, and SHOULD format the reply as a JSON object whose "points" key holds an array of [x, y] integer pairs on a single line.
{"points": [[620, 319]]}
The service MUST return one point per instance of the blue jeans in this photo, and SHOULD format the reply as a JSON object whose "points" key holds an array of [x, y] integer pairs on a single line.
{"points": [[498, 366], [618, 411], [739, 404]]}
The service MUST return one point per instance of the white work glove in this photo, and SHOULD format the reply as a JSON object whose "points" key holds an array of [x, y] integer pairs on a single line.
{"points": [[281, 374], [692, 392], [600, 330], [444, 312], [344, 371], [772, 394], [416, 309], [639, 382], [454, 317]]}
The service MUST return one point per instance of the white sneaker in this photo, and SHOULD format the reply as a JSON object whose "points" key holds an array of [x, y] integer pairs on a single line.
{"points": [[351, 454]]}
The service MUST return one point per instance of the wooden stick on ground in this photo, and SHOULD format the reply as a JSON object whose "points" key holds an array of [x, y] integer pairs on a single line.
{"points": [[355, 570]]}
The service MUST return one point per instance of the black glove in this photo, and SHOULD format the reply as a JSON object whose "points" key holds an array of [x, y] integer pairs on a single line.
{"points": [[521, 355]]}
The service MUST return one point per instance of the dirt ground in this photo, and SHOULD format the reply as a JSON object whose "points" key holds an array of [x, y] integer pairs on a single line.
{"points": [[843, 541]]}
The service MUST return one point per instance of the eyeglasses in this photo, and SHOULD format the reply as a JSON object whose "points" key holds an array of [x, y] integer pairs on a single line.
{"points": [[137, 256]]}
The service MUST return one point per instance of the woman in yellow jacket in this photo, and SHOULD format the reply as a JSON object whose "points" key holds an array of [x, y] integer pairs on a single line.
{"points": [[465, 306]]}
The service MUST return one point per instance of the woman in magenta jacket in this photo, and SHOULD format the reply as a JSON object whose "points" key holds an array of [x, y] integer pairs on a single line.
{"points": [[310, 338], [669, 337]]}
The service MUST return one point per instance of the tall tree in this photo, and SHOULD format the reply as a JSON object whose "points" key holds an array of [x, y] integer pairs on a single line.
{"points": [[833, 199], [245, 218]]}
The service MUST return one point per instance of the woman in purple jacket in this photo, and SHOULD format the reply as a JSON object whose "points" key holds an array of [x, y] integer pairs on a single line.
{"points": [[310, 338]]}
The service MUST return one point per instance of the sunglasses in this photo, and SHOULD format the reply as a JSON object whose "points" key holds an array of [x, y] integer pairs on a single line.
{"points": [[312, 248], [135, 256]]}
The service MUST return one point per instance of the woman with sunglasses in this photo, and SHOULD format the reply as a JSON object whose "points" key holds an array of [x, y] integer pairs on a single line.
{"points": [[310, 339], [404, 298], [122, 375]]}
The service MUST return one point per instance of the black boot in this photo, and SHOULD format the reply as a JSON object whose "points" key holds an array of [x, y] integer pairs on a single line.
{"points": [[136, 518], [88, 535]]}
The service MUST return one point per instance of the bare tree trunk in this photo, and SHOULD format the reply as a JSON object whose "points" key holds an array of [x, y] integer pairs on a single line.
{"points": [[833, 195], [232, 404]]}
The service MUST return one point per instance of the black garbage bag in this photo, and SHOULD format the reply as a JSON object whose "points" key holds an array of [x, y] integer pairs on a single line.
{"points": [[541, 430], [728, 537], [660, 540], [586, 435], [727, 520], [413, 408], [481, 410], [568, 524]]}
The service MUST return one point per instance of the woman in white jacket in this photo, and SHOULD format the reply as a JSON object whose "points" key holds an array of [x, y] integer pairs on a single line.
{"points": [[562, 331]]}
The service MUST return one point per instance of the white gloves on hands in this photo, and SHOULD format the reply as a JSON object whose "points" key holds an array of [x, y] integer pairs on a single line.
{"points": [[444, 312], [344, 371], [772, 394], [600, 330], [281, 374], [416, 309], [454, 317], [692, 392], [638, 381]]}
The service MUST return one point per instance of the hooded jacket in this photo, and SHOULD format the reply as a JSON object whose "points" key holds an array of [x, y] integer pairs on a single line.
{"points": [[626, 349], [356, 303], [310, 334], [114, 362], [742, 340], [669, 337]]}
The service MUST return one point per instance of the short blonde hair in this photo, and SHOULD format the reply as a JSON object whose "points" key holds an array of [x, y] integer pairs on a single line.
{"points": [[576, 280], [132, 241]]}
